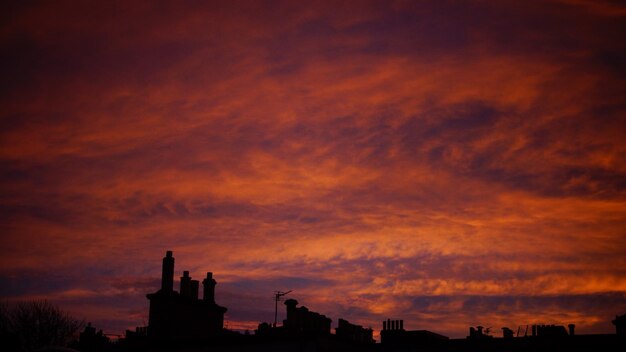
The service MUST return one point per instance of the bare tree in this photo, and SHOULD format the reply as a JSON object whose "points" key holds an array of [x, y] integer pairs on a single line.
{"points": [[37, 324]]}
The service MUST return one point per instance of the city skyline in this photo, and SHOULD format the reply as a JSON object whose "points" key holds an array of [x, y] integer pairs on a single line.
{"points": [[451, 164]]}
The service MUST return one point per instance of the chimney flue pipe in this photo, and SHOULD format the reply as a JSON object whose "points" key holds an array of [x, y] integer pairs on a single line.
{"points": [[209, 288], [185, 287], [167, 275], [193, 289]]}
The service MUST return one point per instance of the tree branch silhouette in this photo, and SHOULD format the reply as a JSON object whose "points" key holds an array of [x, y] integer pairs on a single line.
{"points": [[32, 325]]}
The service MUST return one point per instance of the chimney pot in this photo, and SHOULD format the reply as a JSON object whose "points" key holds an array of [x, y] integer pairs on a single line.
{"points": [[193, 288], [185, 284], [167, 274]]}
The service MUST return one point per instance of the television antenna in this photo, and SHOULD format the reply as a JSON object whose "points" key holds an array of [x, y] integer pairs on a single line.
{"points": [[277, 297]]}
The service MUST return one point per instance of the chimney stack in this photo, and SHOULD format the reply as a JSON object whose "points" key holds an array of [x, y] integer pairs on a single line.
{"points": [[185, 284], [167, 276], [209, 288], [384, 325], [291, 311], [193, 289]]}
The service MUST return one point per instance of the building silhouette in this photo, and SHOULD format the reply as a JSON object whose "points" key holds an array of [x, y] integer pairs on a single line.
{"points": [[182, 316], [354, 333], [393, 334], [302, 321], [89, 340], [183, 319]]}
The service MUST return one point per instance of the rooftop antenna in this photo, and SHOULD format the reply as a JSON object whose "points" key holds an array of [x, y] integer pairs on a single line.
{"points": [[277, 296]]}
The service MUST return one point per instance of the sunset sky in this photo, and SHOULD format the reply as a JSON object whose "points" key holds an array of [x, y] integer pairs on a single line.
{"points": [[449, 163]]}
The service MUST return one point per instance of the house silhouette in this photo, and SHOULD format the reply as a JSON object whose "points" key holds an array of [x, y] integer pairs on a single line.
{"points": [[182, 316]]}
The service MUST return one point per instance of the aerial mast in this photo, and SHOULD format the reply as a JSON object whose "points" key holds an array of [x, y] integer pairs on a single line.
{"points": [[277, 296]]}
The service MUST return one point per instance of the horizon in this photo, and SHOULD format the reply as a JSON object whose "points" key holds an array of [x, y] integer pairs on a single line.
{"points": [[451, 164]]}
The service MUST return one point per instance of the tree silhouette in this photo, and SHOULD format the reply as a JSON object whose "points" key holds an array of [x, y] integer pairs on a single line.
{"points": [[27, 326]]}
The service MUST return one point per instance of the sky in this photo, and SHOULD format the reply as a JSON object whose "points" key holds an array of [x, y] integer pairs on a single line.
{"points": [[448, 163]]}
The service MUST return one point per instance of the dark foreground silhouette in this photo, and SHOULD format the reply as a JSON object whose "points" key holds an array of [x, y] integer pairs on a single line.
{"points": [[181, 321]]}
